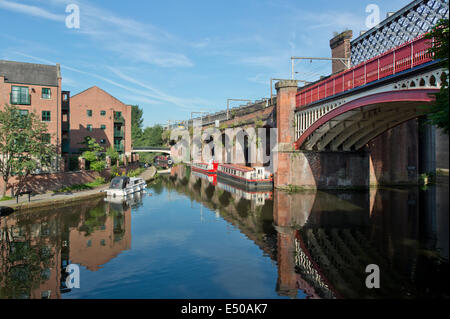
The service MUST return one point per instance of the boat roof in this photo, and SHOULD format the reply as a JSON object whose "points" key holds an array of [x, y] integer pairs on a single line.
{"points": [[121, 177], [237, 167]]}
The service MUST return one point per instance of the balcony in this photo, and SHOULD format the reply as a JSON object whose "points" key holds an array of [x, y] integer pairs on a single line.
{"points": [[119, 147], [65, 146], [65, 105], [118, 133], [119, 119], [20, 99], [65, 100], [65, 126]]}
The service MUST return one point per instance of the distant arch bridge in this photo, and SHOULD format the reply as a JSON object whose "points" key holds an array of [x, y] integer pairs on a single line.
{"points": [[145, 149]]}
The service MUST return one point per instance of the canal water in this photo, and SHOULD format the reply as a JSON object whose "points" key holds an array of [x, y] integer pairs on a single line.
{"points": [[192, 236]]}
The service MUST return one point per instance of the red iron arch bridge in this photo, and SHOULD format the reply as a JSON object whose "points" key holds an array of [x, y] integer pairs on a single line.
{"points": [[347, 110]]}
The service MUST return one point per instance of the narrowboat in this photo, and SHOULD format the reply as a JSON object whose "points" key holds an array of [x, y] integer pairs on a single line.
{"points": [[121, 186], [258, 197], [164, 161], [212, 178], [205, 168], [253, 178]]}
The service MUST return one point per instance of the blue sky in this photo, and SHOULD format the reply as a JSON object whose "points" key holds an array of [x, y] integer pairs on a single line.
{"points": [[173, 57]]}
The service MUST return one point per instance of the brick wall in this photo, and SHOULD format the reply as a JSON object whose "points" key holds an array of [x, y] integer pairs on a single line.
{"points": [[340, 48], [42, 183], [97, 100], [38, 104]]}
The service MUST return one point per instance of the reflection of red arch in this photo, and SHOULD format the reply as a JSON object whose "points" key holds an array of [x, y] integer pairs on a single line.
{"points": [[316, 266], [416, 95]]}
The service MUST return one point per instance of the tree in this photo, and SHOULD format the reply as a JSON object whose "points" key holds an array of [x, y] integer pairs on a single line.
{"points": [[136, 123], [438, 111], [24, 145], [151, 136], [113, 154], [93, 153]]}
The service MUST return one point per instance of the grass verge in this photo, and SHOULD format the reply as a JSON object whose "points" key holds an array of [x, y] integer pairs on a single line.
{"points": [[81, 187]]}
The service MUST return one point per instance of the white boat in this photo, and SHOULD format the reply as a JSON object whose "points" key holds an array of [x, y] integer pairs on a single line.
{"points": [[122, 186]]}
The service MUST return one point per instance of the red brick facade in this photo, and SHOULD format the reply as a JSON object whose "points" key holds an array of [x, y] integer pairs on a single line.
{"points": [[35, 102], [94, 113]]}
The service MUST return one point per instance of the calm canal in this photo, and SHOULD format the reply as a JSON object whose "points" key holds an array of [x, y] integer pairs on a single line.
{"points": [[190, 237]]}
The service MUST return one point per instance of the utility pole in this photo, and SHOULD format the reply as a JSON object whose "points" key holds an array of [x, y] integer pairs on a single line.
{"points": [[274, 79], [228, 105], [201, 115], [345, 61]]}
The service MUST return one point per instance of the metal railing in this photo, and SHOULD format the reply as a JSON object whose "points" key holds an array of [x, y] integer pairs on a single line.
{"points": [[119, 119], [118, 133], [401, 58], [119, 147]]}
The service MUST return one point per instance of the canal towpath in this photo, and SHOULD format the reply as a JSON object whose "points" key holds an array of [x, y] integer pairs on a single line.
{"points": [[59, 199]]}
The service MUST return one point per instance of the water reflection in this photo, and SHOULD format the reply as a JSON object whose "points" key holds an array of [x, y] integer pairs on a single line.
{"points": [[37, 247], [320, 243], [323, 241]]}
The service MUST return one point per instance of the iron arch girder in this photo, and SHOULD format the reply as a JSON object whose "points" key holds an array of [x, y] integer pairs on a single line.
{"points": [[336, 140], [381, 130], [387, 123], [409, 95]]}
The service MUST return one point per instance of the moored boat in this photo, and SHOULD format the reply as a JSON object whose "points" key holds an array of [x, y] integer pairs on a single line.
{"points": [[212, 178], [123, 185], [206, 168], [255, 178]]}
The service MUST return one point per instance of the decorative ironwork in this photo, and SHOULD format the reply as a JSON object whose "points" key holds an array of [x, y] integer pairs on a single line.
{"points": [[406, 24]]}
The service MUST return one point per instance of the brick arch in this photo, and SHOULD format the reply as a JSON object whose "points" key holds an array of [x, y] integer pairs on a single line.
{"points": [[359, 121]]}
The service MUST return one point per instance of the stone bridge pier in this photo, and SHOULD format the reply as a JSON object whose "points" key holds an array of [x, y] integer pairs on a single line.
{"points": [[392, 158]]}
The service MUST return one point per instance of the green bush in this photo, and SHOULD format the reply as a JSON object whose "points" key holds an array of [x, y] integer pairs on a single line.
{"points": [[113, 155], [98, 166], [136, 172]]}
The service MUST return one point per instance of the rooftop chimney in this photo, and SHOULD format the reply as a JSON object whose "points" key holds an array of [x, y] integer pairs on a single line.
{"points": [[340, 48]]}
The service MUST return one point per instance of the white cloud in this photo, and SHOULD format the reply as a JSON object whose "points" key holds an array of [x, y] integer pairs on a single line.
{"points": [[150, 93], [31, 10], [133, 40]]}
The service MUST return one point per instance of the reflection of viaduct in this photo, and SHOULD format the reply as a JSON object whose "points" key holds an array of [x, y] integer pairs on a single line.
{"points": [[322, 241], [36, 248]]}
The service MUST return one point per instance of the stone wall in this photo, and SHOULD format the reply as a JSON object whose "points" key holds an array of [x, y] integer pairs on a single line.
{"points": [[323, 170], [441, 150]]}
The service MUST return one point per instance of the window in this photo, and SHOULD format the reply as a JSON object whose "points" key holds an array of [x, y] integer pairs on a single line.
{"points": [[89, 127], [102, 113], [46, 116], [103, 127], [102, 141], [23, 112], [46, 93], [20, 95], [46, 138], [89, 113]]}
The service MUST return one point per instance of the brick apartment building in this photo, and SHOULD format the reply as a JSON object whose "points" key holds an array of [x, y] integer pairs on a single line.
{"points": [[93, 112], [37, 88], [98, 114]]}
